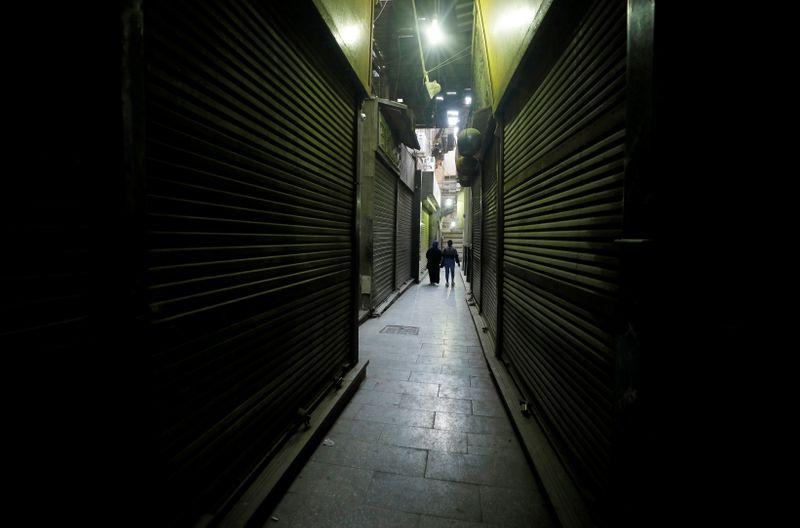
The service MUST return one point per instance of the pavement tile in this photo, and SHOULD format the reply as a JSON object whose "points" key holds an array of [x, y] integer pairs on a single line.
{"points": [[419, 495], [435, 403], [472, 424], [407, 387], [373, 456], [395, 416], [424, 438], [493, 444], [468, 393], [428, 377], [499, 470], [488, 408], [515, 508], [358, 429]]}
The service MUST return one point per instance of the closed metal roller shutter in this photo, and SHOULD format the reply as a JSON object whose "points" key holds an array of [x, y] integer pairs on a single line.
{"points": [[383, 258], [563, 190], [489, 239], [477, 240], [405, 199], [250, 190]]}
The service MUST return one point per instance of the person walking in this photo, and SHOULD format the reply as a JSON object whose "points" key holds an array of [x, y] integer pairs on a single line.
{"points": [[434, 256], [449, 261]]}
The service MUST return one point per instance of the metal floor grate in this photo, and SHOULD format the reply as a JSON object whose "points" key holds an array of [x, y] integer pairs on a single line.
{"points": [[400, 329]]}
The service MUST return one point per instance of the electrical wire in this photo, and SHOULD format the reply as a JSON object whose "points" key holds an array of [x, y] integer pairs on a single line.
{"points": [[453, 58], [382, 8]]}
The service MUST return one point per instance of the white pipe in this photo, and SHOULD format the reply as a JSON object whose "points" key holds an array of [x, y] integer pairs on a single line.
{"points": [[419, 40]]}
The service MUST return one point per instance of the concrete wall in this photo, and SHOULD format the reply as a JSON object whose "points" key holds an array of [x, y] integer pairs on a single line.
{"points": [[350, 21], [508, 27]]}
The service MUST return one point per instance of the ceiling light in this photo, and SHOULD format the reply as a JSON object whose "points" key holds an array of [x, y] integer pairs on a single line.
{"points": [[514, 18], [435, 35], [452, 112], [452, 121], [451, 93], [439, 98], [399, 99], [468, 100], [350, 35]]}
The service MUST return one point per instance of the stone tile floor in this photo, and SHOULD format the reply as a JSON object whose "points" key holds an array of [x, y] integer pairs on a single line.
{"points": [[425, 442]]}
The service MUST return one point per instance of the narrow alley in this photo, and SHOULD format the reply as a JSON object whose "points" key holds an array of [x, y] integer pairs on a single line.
{"points": [[426, 441], [214, 218]]}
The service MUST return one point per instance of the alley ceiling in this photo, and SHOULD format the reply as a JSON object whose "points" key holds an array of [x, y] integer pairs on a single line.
{"points": [[396, 56]]}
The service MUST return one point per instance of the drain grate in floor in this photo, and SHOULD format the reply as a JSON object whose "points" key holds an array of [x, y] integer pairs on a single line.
{"points": [[400, 329]]}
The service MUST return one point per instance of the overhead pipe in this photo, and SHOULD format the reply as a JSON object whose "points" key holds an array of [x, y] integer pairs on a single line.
{"points": [[432, 87]]}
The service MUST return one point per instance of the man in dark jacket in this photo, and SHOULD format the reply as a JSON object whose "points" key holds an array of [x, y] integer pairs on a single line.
{"points": [[449, 261]]}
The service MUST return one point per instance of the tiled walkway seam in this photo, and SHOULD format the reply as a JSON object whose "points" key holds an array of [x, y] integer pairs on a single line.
{"points": [[425, 442]]}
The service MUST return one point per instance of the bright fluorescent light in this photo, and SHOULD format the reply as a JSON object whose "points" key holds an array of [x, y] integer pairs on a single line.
{"points": [[468, 100], [399, 99], [452, 224], [435, 35], [452, 121], [515, 18], [448, 202], [452, 112], [439, 98], [451, 93], [350, 35]]}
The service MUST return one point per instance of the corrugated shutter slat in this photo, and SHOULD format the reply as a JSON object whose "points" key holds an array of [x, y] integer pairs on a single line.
{"points": [[405, 200], [562, 198], [250, 211], [383, 257], [489, 242], [477, 241]]}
